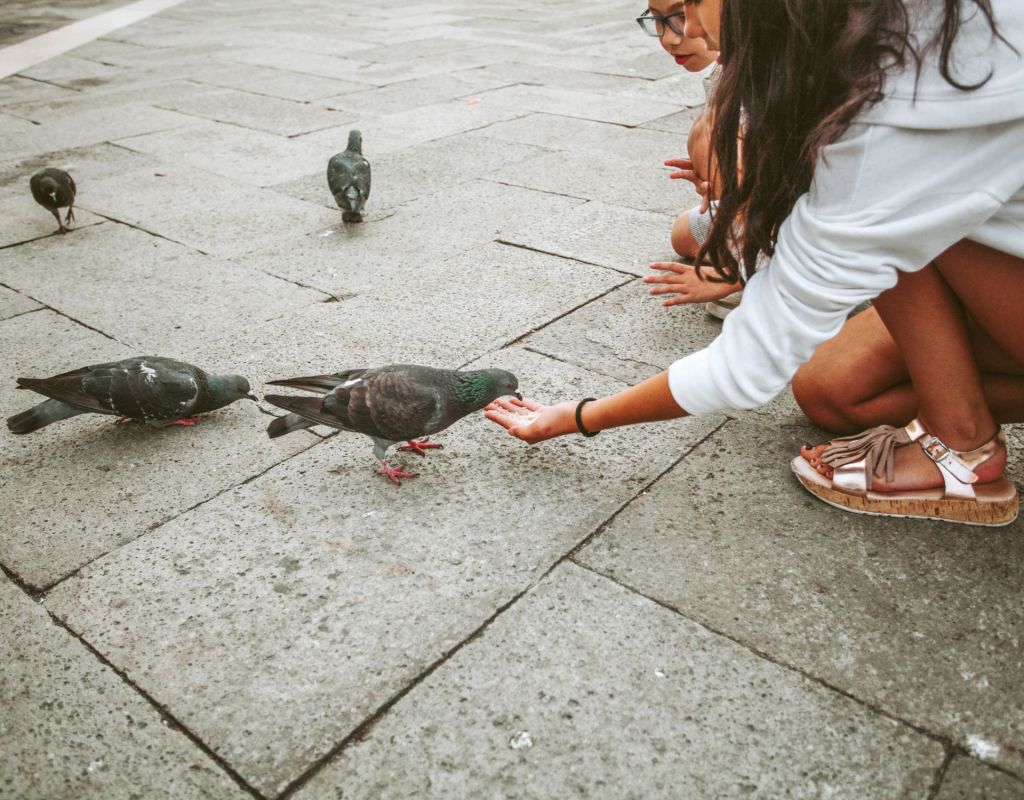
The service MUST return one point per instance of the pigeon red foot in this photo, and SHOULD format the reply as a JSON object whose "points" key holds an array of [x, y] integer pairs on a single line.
{"points": [[184, 422], [394, 473], [420, 446]]}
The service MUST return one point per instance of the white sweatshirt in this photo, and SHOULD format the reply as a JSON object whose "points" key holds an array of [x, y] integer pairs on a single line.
{"points": [[908, 180]]}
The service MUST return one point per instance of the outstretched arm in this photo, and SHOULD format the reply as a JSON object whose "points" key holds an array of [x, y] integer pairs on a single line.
{"points": [[648, 401]]}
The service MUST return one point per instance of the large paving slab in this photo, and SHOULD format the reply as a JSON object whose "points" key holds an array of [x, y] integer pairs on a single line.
{"points": [[585, 105], [414, 172], [250, 156], [921, 620], [71, 728], [14, 303], [442, 318], [612, 236], [22, 219], [83, 486], [384, 250], [966, 779], [627, 333], [71, 72], [405, 95], [640, 182], [55, 110], [85, 164], [318, 591], [210, 213], [146, 292], [261, 112], [584, 689], [273, 82], [15, 89], [310, 63]]}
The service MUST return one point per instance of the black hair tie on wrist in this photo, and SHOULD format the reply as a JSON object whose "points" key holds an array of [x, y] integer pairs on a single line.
{"points": [[579, 417]]}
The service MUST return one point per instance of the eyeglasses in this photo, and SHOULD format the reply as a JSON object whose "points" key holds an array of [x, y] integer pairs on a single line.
{"points": [[653, 25]]}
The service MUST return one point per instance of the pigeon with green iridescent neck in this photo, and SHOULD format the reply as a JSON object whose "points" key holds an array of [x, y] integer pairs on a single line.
{"points": [[54, 189], [158, 391], [400, 402], [348, 177]]}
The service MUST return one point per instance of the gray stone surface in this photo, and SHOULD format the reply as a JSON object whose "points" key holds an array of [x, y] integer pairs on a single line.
{"points": [[283, 117], [205, 211], [85, 164], [966, 779], [360, 584], [83, 486], [627, 333], [71, 72], [146, 292], [611, 236], [407, 244], [612, 142], [327, 66], [249, 156], [274, 82], [15, 89], [415, 172], [810, 589], [22, 219], [71, 728], [396, 98], [586, 690], [585, 105], [14, 303]]}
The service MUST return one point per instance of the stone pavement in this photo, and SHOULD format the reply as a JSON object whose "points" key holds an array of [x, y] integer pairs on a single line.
{"points": [[657, 612]]}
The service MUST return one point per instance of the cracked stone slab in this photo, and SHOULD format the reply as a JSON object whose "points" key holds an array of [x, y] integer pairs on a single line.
{"points": [[391, 132], [84, 486], [640, 183], [318, 591], [202, 210], [72, 728], [146, 292], [345, 259], [444, 317], [619, 110], [627, 333], [612, 236], [274, 82], [241, 154], [808, 585], [22, 219], [584, 689], [415, 172], [88, 128], [264, 113], [13, 304], [966, 779]]}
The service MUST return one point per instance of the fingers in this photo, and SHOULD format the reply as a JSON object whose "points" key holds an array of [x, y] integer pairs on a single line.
{"points": [[682, 163], [668, 266]]}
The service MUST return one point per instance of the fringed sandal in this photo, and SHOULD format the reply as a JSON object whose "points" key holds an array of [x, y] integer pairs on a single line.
{"points": [[857, 461]]}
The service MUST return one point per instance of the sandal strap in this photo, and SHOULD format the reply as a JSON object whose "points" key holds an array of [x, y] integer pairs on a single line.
{"points": [[873, 450]]}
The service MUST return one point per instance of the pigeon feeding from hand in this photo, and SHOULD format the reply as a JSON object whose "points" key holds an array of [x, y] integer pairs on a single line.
{"points": [[348, 177], [158, 391], [55, 189], [400, 402]]}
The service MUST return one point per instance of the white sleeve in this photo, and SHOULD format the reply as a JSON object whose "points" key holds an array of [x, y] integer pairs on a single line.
{"points": [[883, 200]]}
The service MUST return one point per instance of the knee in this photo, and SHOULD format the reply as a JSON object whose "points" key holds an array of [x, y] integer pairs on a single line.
{"points": [[682, 238], [816, 394]]}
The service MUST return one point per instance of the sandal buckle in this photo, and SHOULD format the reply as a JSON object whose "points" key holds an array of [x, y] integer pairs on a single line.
{"points": [[936, 450]]}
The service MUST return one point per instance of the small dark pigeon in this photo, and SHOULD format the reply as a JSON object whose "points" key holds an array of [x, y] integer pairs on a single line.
{"points": [[348, 176], [54, 189], [158, 391], [400, 402]]}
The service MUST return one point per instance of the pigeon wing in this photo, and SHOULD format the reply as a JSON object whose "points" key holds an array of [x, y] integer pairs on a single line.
{"points": [[388, 404], [320, 383], [148, 388]]}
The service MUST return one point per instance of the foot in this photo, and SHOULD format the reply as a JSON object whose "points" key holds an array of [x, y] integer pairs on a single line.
{"points": [[394, 473], [420, 446], [184, 422], [913, 470], [123, 420]]}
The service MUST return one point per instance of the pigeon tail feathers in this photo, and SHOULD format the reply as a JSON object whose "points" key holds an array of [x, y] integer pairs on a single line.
{"points": [[288, 424], [47, 412]]}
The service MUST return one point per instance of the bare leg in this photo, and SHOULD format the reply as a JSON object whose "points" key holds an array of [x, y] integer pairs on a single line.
{"points": [[859, 380]]}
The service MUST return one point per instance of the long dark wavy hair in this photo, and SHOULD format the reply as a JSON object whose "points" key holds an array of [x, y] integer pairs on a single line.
{"points": [[795, 74]]}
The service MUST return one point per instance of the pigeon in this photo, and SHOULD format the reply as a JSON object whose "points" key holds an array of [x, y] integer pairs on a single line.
{"points": [[400, 402], [53, 189], [348, 176], [158, 391]]}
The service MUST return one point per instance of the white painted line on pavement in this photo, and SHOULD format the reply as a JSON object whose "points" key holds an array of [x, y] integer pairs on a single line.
{"points": [[27, 54]]}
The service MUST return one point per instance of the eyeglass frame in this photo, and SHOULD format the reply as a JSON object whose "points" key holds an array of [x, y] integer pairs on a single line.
{"points": [[665, 21]]}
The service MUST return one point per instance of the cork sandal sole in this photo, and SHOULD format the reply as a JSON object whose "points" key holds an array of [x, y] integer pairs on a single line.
{"points": [[996, 503]]}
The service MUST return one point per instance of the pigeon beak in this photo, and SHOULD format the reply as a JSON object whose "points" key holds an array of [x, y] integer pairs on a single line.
{"points": [[517, 396], [251, 396]]}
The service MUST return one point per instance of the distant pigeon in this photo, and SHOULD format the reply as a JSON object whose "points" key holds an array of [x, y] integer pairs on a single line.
{"points": [[158, 391], [54, 189], [400, 402], [348, 176]]}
